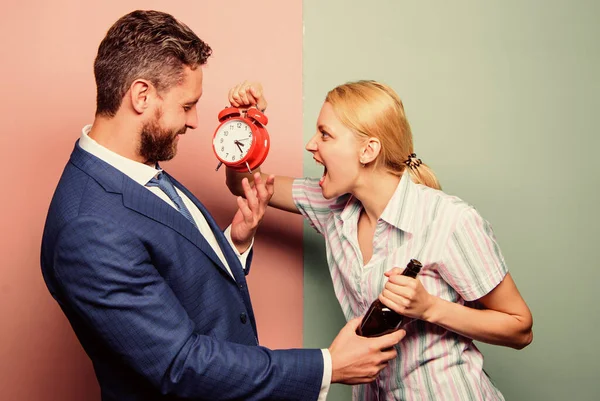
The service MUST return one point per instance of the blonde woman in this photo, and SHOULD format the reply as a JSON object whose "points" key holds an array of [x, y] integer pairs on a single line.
{"points": [[378, 206]]}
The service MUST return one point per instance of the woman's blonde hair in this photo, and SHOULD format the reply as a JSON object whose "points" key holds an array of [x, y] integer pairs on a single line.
{"points": [[372, 109]]}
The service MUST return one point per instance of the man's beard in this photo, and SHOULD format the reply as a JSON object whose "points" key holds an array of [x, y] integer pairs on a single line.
{"points": [[158, 143]]}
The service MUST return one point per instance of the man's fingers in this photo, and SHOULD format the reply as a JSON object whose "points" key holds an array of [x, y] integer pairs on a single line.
{"points": [[249, 191], [354, 323], [252, 198], [262, 190], [389, 340], [243, 206], [388, 355], [250, 194]]}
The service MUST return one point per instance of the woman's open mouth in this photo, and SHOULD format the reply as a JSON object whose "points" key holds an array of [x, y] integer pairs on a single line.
{"points": [[324, 172]]}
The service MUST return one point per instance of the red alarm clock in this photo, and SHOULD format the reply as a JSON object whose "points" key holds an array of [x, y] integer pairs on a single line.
{"points": [[241, 141]]}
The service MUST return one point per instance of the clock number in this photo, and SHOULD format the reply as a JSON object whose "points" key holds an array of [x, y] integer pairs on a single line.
{"points": [[222, 148], [239, 125], [233, 158], [222, 140]]}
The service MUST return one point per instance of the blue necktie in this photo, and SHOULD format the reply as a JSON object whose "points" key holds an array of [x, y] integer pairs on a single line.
{"points": [[163, 182]]}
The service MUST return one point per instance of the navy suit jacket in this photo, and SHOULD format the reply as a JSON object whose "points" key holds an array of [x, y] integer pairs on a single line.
{"points": [[150, 301]]}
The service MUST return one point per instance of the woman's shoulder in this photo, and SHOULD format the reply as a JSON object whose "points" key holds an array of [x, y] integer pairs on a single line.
{"points": [[441, 205]]}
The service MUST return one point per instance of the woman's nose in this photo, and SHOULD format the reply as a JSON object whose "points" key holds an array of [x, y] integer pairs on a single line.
{"points": [[311, 145]]}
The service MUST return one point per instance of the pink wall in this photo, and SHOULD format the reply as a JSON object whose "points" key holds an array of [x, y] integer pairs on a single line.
{"points": [[48, 94]]}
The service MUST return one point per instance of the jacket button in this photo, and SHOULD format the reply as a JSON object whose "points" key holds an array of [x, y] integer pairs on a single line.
{"points": [[243, 318]]}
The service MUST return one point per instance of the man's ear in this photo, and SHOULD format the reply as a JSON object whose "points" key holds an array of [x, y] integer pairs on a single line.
{"points": [[370, 150], [140, 93]]}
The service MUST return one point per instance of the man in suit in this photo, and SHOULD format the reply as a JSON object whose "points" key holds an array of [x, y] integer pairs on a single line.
{"points": [[154, 290]]}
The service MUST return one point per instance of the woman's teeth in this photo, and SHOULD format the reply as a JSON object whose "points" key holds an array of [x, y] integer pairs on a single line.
{"points": [[323, 176]]}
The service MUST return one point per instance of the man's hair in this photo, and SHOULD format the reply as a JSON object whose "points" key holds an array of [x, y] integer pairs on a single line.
{"points": [[149, 45]]}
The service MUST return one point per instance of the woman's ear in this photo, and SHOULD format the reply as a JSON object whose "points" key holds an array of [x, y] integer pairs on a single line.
{"points": [[140, 91], [370, 150]]}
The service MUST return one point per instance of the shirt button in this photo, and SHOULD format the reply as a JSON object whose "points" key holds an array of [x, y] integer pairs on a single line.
{"points": [[243, 318]]}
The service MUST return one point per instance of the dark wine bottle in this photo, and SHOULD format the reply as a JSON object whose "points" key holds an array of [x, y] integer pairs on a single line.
{"points": [[379, 319]]}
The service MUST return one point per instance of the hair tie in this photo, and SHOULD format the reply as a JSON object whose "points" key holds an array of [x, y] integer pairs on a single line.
{"points": [[412, 161]]}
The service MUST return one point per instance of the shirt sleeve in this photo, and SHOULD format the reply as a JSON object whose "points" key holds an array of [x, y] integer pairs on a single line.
{"points": [[327, 372], [309, 199], [474, 265], [243, 257]]}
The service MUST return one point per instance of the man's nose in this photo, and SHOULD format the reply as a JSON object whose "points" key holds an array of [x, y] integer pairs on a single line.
{"points": [[192, 121]]}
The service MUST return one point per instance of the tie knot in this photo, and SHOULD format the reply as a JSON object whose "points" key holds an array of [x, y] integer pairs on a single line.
{"points": [[159, 180]]}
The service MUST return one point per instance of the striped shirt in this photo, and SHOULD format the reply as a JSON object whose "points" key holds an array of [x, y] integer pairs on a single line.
{"points": [[461, 263]]}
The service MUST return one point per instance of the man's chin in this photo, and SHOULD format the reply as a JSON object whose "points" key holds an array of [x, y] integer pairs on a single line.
{"points": [[169, 156]]}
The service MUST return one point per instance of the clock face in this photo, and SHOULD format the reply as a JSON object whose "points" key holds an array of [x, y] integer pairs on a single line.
{"points": [[233, 140]]}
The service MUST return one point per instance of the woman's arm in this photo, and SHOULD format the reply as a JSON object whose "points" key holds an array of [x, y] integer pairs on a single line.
{"points": [[282, 194], [506, 320]]}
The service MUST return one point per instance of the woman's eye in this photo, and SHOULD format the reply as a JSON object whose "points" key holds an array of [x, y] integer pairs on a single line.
{"points": [[324, 134]]}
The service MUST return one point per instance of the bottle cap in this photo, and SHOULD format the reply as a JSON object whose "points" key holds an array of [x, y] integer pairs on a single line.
{"points": [[415, 266], [416, 263]]}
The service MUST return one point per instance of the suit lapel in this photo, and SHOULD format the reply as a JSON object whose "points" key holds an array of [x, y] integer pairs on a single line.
{"points": [[141, 200], [137, 198], [232, 259]]}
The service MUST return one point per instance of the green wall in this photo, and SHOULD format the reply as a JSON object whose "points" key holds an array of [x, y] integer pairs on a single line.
{"points": [[502, 97]]}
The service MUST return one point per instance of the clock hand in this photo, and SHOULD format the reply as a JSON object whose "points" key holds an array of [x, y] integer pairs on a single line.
{"points": [[239, 145]]}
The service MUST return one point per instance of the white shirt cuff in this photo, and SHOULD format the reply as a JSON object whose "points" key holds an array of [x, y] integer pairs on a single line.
{"points": [[242, 256], [327, 367]]}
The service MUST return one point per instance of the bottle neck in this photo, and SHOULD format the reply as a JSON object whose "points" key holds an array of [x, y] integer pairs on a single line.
{"points": [[412, 268]]}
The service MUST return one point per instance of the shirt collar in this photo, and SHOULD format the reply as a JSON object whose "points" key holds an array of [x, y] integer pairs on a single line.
{"points": [[401, 208], [139, 172], [398, 212], [348, 206]]}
